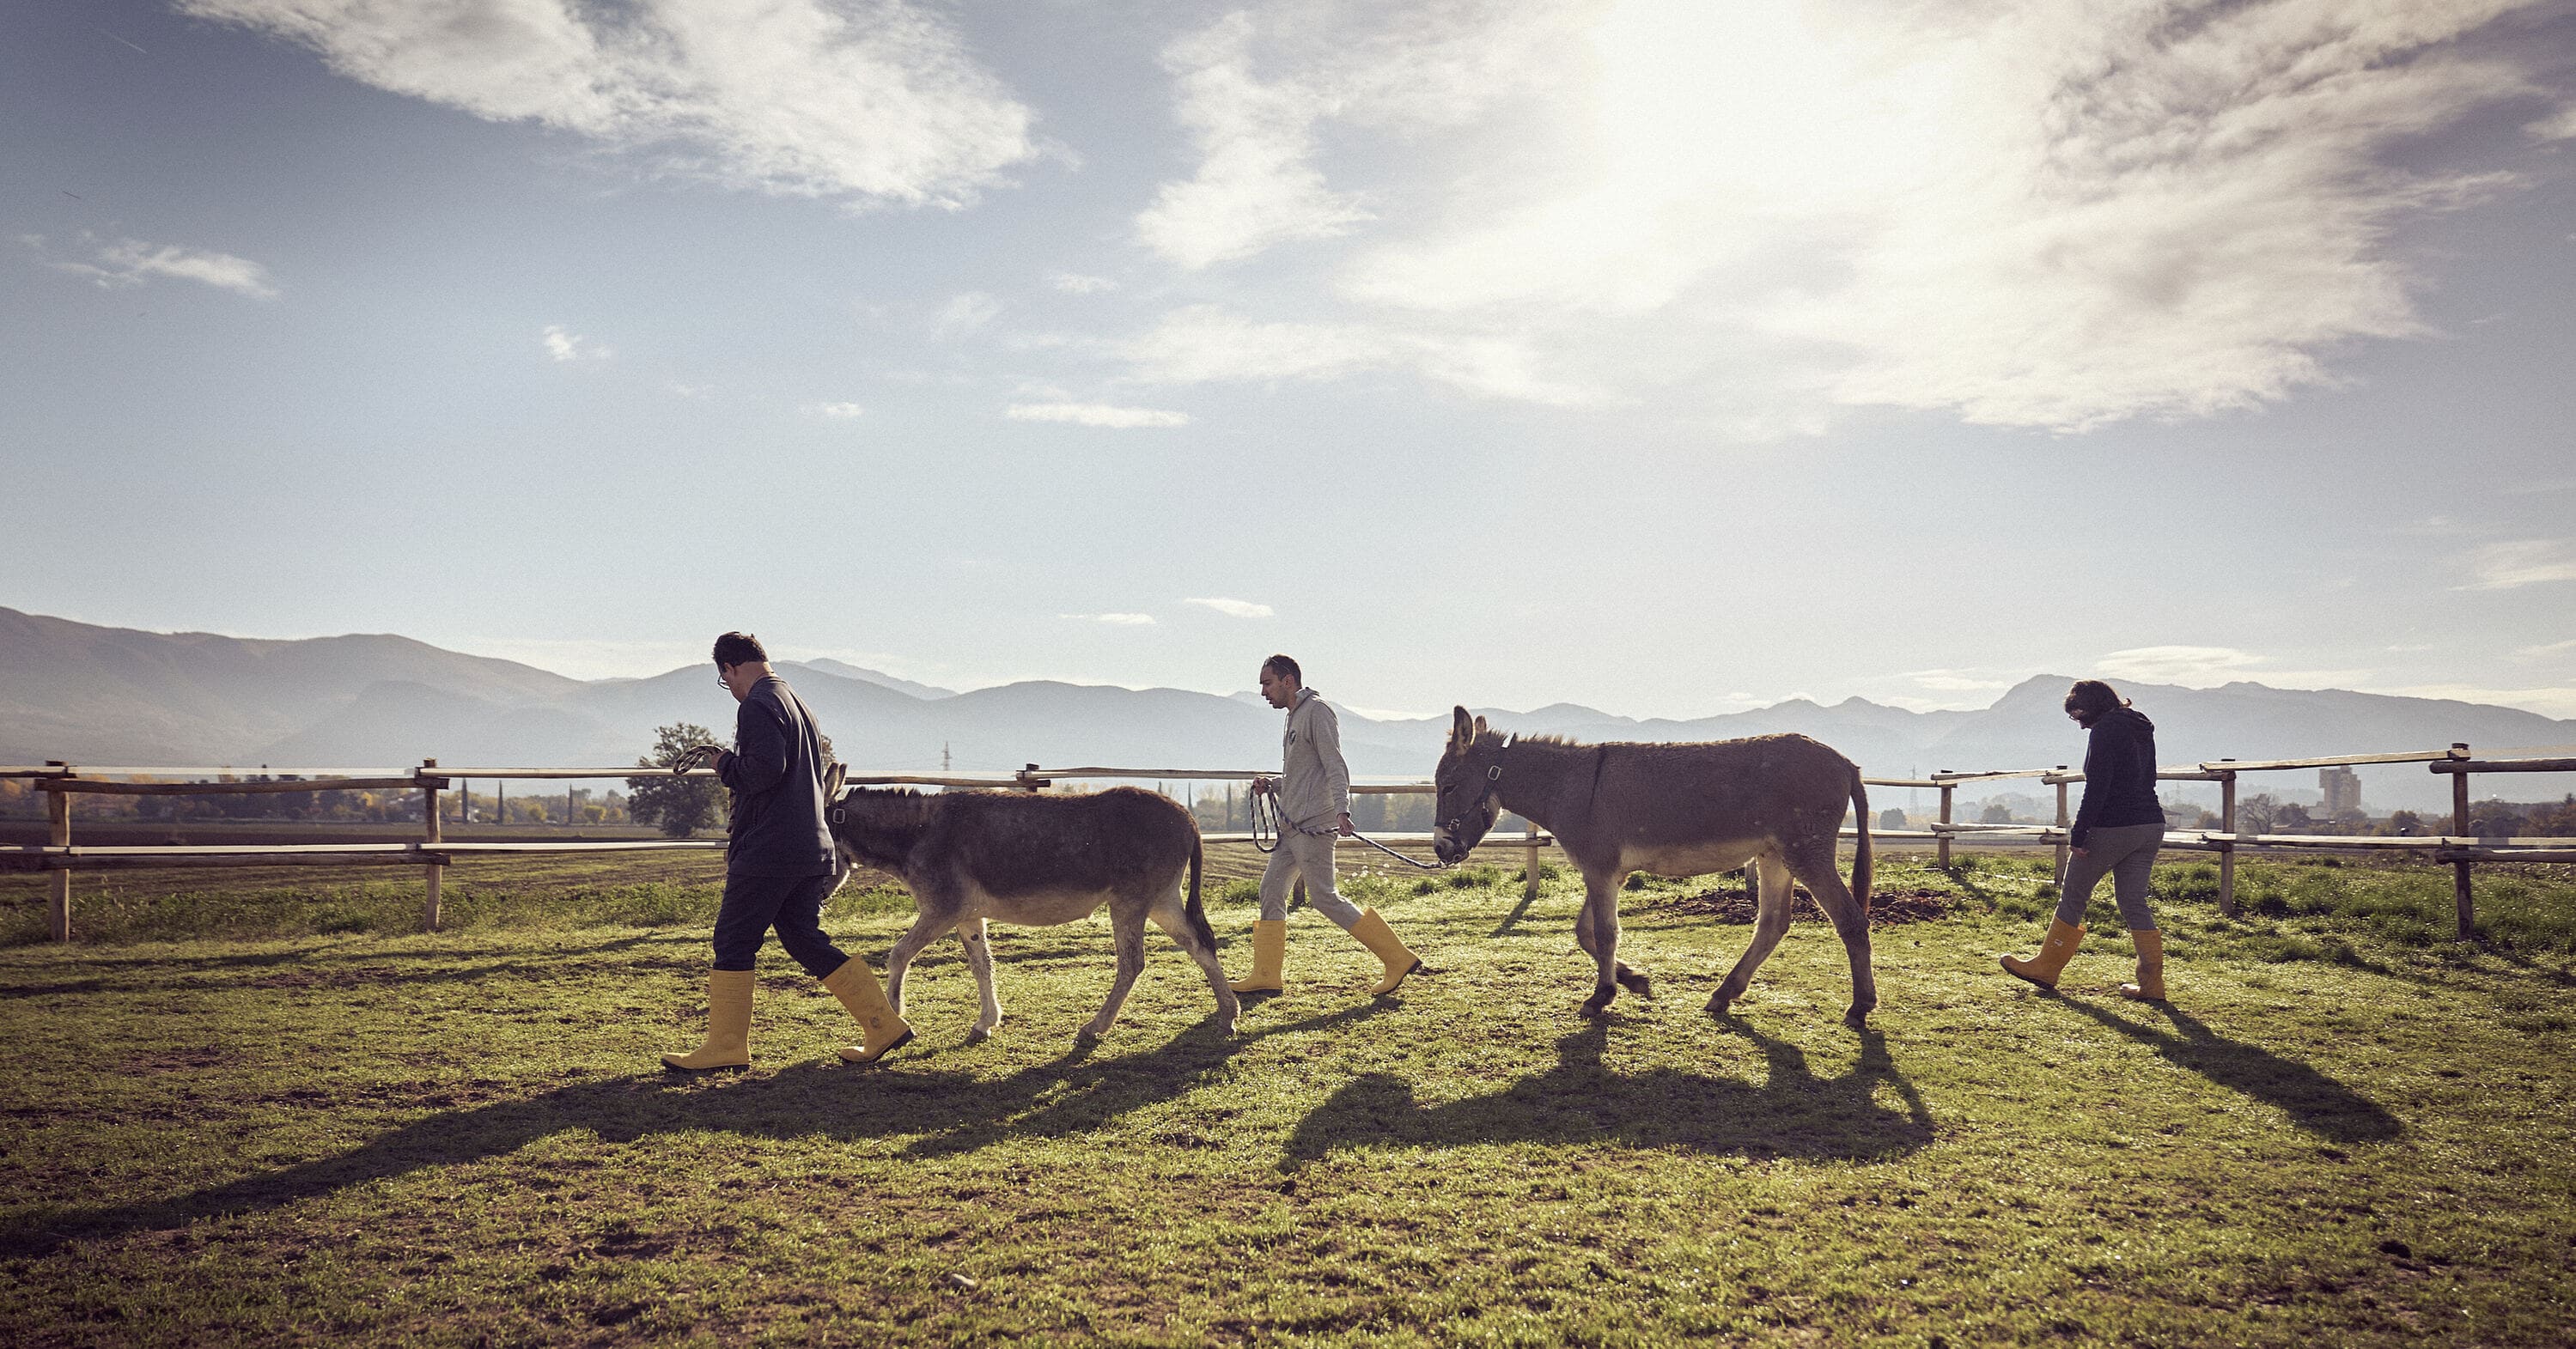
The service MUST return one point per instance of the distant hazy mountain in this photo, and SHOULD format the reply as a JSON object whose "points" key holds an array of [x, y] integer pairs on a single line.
{"points": [[111, 695], [848, 671]]}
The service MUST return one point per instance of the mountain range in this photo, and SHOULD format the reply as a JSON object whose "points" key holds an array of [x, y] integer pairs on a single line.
{"points": [[99, 695]]}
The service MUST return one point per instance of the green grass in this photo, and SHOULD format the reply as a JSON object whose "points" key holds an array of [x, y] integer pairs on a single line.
{"points": [[463, 1137]]}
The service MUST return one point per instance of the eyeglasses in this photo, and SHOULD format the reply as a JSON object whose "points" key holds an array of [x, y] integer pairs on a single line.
{"points": [[723, 683]]}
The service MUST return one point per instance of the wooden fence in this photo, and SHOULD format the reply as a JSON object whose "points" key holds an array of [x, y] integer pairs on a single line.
{"points": [[434, 854]]}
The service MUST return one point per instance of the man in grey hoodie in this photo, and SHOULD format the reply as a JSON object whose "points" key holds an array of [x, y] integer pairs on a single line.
{"points": [[1313, 794]]}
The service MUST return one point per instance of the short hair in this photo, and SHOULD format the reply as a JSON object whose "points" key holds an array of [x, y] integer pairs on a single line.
{"points": [[1285, 669], [2090, 698], [736, 648]]}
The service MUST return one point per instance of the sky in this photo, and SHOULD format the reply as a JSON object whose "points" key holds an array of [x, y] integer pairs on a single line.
{"points": [[1664, 357]]}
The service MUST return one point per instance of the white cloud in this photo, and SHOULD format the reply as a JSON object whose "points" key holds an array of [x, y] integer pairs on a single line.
{"points": [[1256, 185], [2523, 562], [1257, 88], [1954, 681], [131, 262], [1095, 414], [2031, 215], [1074, 283], [2548, 702], [964, 314], [869, 102], [698, 392], [1116, 620], [2178, 664], [2550, 649], [2558, 126], [571, 346], [1233, 608], [835, 411], [1204, 344]]}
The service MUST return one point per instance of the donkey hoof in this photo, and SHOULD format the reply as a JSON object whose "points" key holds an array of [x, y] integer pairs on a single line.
{"points": [[1721, 1005], [1857, 1018], [1597, 1005], [979, 1035], [1635, 981], [1089, 1034]]}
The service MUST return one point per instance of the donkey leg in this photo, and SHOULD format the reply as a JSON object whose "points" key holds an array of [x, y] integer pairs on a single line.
{"points": [[1596, 929], [1770, 921], [1630, 978], [1851, 923], [1127, 931], [1175, 924], [979, 958], [932, 923]]}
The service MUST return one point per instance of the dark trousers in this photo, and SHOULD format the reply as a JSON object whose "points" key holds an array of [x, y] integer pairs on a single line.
{"points": [[792, 904]]}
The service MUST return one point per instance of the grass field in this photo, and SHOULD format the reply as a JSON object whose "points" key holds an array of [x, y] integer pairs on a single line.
{"points": [[303, 1122]]}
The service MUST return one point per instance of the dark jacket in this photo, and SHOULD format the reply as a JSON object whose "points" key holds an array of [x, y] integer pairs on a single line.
{"points": [[2119, 775], [776, 774]]}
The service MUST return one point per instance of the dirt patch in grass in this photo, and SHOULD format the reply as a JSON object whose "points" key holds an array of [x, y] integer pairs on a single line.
{"points": [[1887, 908]]}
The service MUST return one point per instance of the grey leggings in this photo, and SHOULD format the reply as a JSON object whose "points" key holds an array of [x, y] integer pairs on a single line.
{"points": [[1308, 857], [2126, 853]]}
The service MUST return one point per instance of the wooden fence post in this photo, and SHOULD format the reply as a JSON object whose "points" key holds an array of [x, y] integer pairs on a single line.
{"points": [[1944, 845], [433, 874], [2227, 850], [58, 832], [2467, 907], [2063, 820], [1529, 862]]}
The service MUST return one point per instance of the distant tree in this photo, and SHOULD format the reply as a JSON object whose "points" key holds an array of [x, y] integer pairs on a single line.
{"points": [[2405, 823], [2558, 821], [679, 806], [1892, 818], [2495, 819], [2293, 819], [2351, 820], [1996, 812], [2258, 814]]}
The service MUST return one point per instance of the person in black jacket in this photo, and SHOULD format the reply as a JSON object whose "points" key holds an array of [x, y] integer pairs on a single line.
{"points": [[2117, 830], [779, 866]]}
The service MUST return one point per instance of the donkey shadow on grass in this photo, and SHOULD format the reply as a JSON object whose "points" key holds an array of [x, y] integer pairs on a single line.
{"points": [[1790, 1113], [2313, 1101], [943, 1112]]}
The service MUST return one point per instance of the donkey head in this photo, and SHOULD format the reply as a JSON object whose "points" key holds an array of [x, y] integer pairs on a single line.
{"points": [[878, 827], [1469, 799]]}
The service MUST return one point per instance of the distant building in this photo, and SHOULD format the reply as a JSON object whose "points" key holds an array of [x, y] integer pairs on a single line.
{"points": [[2342, 790]]}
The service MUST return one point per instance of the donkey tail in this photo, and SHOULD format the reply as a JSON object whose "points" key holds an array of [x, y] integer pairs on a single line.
{"points": [[1192, 910], [1860, 853]]}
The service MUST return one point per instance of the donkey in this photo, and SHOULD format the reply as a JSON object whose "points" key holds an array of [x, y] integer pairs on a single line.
{"points": [[1037, 860], [1674, 810]]}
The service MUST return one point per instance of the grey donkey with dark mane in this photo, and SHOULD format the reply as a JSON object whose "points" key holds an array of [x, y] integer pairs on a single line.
{"points": [[1672, 810], [1012, 857]]}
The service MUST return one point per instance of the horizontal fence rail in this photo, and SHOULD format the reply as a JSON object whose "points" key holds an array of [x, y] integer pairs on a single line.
{"points": [[59, 782]]}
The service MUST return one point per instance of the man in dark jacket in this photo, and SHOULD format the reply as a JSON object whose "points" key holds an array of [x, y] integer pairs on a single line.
{"points": [[779, 866]]}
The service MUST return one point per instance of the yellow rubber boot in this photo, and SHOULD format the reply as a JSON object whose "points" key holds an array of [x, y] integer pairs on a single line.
{"points": [[1381, 940], [2151, 967], [2043, 969], [880, 1031], [728, 1026], [1269, 953]]}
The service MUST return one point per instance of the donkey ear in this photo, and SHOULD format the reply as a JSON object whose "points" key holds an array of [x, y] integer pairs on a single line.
{"points": [[1480, 726], [1461, 729]]}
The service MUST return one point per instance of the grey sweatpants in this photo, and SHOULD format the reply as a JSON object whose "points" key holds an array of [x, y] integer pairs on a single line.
{"points": [[2126, 853], [1307, 857]]}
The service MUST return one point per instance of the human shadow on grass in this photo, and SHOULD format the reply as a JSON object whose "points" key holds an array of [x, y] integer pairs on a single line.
{"points": [[2313, 1101], [1790, 1113], [948, 1111]]}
